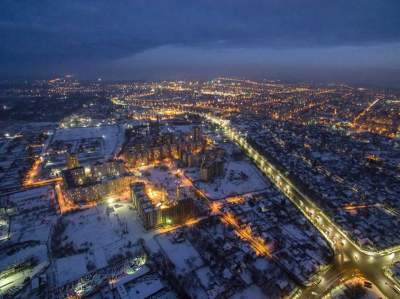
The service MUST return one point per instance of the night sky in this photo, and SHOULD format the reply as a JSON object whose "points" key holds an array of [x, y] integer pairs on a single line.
{"points": [[356, 41]]}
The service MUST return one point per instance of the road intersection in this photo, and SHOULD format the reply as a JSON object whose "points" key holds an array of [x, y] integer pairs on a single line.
{"points": [[350, 259]]}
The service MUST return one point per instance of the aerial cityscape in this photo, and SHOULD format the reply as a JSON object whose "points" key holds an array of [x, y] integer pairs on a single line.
{"points": [[139, 162]]}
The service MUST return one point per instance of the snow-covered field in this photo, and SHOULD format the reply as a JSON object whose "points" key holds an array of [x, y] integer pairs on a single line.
{"points": [[32, 214], [183, 255], [70, 268], [100, 233], [240, 177], [144, 289], [112, 136], [163, 176]]}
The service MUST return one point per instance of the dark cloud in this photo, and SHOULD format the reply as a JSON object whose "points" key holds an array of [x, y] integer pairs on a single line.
{"points": [[46, 34]]}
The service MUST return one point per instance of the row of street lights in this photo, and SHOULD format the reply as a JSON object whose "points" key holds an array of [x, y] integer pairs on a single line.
{"points": [[338, 239], [296, 196]]}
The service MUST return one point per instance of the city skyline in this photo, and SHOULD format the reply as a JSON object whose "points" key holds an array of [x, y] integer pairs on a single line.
{"points": [[200, 149]]}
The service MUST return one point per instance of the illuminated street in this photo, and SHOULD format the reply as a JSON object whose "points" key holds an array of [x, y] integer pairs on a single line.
{"points": [[349, 257], [200, 149]]}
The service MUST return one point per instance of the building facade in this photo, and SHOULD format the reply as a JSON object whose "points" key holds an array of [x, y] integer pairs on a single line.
{"points": [[156, 215], [96, 182]]}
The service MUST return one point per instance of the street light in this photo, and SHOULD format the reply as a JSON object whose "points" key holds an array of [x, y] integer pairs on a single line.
{"points": [[110, 200], [391, 256], [371, 259]]}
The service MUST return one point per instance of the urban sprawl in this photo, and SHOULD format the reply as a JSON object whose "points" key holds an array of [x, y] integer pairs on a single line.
{"points": [[226, 188]]}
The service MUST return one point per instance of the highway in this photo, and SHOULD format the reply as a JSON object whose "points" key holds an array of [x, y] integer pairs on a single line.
{"points": [[350, 258]]}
